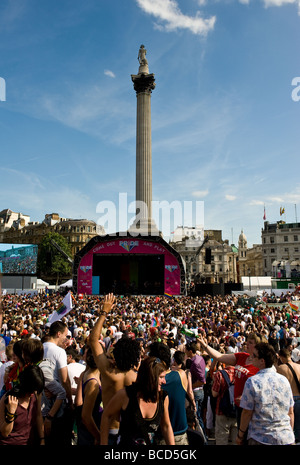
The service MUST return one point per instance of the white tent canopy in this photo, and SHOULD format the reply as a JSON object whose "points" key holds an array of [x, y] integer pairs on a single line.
{"points": [[257, 282], [68, 283], [40, 284]]}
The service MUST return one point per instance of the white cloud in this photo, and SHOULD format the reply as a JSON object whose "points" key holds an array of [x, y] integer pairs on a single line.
{"points": [[87, 107], [278, 3], [109, 73], [230, 197], [256, 202], [200, 193], [169, 13]]}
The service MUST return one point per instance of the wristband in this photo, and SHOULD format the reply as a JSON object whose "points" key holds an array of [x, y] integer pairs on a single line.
{"points": [[49, 417]]}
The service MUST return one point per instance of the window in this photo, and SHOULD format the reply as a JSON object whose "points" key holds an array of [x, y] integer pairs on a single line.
{"points": [[272, 250], [286, 238], [296, 238], [272, 240]]}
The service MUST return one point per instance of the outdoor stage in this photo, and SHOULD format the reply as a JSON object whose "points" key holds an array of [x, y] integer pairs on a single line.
{"points": [[128, 265]]}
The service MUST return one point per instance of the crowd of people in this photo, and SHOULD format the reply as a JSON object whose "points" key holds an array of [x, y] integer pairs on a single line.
{"points": [[136, 369]]}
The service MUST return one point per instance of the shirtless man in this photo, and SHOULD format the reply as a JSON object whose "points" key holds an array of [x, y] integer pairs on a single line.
{"points": [[116, 372], [283, 369]]}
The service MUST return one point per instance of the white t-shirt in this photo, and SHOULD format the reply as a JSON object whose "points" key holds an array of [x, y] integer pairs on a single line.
{"points": [[74, 371], [57, 356], [2, 371]]}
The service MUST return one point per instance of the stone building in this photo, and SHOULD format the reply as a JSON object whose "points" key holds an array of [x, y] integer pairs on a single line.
{"points": [[16, 228], [223, 257], [281, 249], [250, 261], [10, 219]]}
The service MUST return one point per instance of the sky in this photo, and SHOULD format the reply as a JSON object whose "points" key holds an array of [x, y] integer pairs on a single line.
{"points": [[224, 112]]}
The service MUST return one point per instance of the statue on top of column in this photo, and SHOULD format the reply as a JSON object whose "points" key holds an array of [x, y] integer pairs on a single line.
{"points": [[143, 60]]}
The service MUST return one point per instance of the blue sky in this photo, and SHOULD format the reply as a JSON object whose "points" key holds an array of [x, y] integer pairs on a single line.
{"points": [[225, 128]]}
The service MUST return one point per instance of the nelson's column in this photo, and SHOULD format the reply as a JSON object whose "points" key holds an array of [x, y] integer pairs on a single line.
{"points": [[143, 84]]}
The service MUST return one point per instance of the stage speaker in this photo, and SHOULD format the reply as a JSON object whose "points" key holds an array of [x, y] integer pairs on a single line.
{"points": [[207, 256]]}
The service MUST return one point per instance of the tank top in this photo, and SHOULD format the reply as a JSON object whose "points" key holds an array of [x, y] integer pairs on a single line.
{"points": [[85, 438], [24, 429], [134, 429], [177, 397]]}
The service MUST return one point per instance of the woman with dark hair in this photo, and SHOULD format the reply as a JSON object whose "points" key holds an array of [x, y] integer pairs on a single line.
{"points": [[88, 400], [142, 408], [21, 421]]}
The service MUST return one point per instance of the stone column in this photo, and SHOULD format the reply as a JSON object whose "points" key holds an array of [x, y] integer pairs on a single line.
{"points": [[143, 84]]}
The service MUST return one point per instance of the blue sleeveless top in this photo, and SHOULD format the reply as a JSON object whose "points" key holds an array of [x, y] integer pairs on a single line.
{"points": [[177, 397]]}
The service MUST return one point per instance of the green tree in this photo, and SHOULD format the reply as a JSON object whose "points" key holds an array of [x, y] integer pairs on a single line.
{"points": [[51, 262]]}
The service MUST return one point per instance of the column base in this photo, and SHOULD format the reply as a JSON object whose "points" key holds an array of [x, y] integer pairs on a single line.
{"points": [[144, 227]]}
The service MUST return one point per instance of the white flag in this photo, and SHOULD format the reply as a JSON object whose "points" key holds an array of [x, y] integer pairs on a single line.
{"points": [[64, 308]]}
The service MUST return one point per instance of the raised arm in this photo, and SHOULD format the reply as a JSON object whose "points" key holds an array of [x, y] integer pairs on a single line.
{"points": [[229, 359], [94, 337]]}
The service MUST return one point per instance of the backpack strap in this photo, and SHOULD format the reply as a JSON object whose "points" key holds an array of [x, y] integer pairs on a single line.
{"points": [[226, 377]]}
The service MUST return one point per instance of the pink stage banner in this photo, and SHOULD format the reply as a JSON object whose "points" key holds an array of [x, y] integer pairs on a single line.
{"points": [[119, 246]]}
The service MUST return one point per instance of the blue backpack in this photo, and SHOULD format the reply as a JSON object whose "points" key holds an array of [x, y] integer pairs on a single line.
{"points": [[227, 405]]}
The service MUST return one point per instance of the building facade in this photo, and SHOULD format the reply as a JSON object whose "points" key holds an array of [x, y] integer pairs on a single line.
{"points": [[219, 267], [16, 228], [281, 249], [250, 260]]}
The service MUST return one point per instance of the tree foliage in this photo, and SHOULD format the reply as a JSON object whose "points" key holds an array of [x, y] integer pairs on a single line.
{"points": [[50, 261]]}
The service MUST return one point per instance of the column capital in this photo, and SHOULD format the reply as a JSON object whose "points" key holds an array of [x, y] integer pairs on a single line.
{"points": [[143, 83]]}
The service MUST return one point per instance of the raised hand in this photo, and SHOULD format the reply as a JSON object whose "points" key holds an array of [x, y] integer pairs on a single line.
{"points": [[108, 303]]}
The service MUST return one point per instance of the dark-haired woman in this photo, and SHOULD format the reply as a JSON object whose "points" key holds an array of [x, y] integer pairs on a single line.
{"points": [[21, 421], [142, 407]]}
